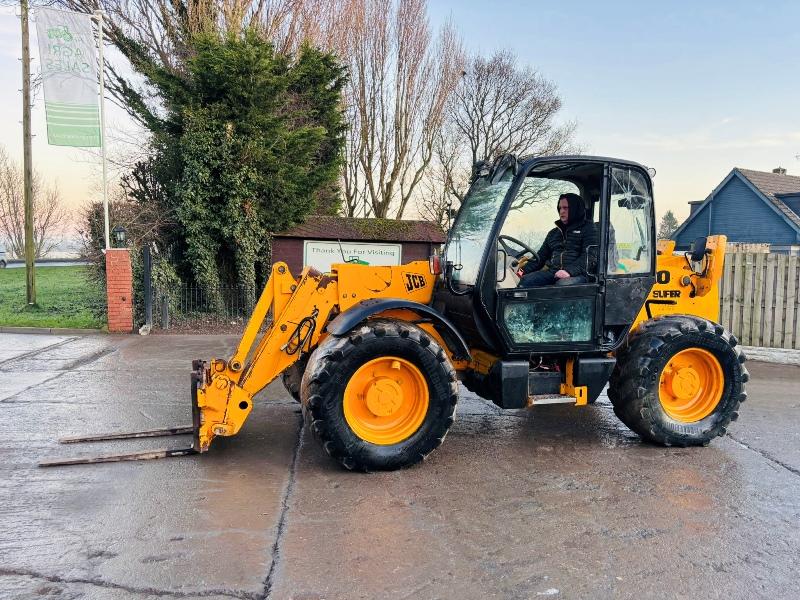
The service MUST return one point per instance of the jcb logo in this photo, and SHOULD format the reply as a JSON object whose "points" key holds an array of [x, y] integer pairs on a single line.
{"points": [[414, 282]]}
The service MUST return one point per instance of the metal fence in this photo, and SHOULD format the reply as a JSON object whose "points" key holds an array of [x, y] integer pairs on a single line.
{"points": [[203, 309], [760, 299]]}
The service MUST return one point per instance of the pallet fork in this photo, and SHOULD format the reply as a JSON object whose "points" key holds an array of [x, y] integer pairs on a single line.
{"points": [[222, 390], [193, 429]]}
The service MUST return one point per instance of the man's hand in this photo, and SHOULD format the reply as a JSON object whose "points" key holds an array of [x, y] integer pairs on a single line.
{"points": [[562, 274], [521, 265]]}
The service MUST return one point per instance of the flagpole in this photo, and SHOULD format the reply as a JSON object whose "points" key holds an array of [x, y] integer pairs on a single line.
{"points": [[99, 15]]}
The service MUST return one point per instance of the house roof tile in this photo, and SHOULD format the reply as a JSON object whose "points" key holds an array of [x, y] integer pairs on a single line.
{"points": [[774, 184]]}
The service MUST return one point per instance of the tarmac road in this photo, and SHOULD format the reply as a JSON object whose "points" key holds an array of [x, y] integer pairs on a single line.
{"points": [[557, 502]]}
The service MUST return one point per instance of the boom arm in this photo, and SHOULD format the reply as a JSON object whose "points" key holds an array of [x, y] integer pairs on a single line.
{"points": [[226, 398], [300, 311]]}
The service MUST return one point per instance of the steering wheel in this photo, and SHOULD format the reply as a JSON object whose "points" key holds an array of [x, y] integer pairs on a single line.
{"points": [[504, 242]]}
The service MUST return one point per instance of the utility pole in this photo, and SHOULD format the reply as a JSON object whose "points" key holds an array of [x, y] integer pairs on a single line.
{"points": [[27, 167]]}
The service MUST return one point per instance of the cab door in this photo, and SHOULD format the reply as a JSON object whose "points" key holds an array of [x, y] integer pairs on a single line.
{"points": [[550, 318], [628, 261]]}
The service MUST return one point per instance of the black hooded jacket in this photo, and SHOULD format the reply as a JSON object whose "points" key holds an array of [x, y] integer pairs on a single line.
{"points": [[566, 246]]}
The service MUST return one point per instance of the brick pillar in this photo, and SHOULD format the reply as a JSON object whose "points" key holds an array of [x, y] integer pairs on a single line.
{"points": [[119, 290]]}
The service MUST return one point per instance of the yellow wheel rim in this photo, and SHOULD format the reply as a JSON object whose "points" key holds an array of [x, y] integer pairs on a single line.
{"points": [[691, 385], [386, 400]]}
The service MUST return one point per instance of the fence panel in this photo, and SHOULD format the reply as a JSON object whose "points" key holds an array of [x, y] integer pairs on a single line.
{"points": [[769, 301], [726, 293], [759, 299], [789, 339], [794, 277], [203, 309], [748, 299], [737, 295], [781, 276]]}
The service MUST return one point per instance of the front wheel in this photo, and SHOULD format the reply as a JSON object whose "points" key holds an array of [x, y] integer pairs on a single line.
{"points": [[292, 377], [679, 381], [381, 398]]}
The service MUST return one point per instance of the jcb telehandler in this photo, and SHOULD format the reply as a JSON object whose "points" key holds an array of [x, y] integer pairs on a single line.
{"points": [[374, 353]]}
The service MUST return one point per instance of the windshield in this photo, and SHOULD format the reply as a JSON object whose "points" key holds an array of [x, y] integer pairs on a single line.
{"points": [[470, 233]]}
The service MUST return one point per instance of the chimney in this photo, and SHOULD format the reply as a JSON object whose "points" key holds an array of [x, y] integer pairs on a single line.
{"points": [[779, 171]]}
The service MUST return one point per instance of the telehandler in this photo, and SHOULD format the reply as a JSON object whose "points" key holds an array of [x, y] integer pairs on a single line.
{"points": [[374, 353]]}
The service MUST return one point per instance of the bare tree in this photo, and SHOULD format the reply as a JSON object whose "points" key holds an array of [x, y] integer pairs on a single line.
{"points": [[400, 80], [444, 183], [501, 108], [437, 204], [49, 216], [497, 108]]}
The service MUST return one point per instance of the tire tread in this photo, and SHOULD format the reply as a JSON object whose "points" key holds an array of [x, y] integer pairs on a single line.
{"points": [[321, 389], [633, 386]]}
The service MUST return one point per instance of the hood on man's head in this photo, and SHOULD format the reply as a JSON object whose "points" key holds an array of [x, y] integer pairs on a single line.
{"points": [[577, 209]]}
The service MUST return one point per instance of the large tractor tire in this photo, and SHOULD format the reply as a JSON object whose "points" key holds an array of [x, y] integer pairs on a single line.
{"points": [[381, 398], [292, 377], [679, 381]]}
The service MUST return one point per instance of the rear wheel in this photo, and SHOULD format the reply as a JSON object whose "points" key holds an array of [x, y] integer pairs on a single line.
{"points": [[381, 398], [679, 381]]}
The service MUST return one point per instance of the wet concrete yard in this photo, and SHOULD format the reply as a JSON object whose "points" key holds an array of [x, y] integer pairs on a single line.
{"points": [[558, 502]]}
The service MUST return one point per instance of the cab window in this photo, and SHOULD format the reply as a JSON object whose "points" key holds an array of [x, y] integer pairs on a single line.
{"points": [[630, 244], [534, 211]]}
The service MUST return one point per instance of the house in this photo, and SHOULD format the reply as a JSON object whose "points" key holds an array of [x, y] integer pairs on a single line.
{"points": [[750, 207]]}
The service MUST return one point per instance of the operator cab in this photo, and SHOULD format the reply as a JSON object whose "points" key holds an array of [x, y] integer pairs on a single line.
{"points": [[505, 218]]}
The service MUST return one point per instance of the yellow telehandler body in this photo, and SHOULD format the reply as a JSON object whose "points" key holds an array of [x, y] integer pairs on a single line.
{"points": [[374, 353]]}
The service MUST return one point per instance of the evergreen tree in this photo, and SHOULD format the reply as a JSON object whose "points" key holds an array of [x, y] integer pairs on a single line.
{"points": [[245, 142], [668, 225]]}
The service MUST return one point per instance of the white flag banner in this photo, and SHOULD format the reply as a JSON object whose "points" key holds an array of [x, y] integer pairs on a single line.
{"points": [[69, 77]]}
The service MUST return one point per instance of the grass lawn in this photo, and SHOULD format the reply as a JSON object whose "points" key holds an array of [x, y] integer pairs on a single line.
{"points": [[65, 297]]}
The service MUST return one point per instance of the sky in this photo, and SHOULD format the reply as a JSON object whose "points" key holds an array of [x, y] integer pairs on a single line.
{"points": [[691, 89]]}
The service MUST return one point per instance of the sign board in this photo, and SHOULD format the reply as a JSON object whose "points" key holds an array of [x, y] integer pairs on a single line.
{"points": [[322, 254]]}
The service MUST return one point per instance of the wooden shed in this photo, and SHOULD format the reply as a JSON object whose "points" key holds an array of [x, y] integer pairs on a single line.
{"points": [[322, 240]]}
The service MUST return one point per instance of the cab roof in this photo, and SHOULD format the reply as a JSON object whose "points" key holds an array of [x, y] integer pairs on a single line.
{"points": [[529, 161]]}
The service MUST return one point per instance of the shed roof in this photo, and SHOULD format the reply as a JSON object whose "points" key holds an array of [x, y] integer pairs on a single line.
{"points": [[374, 230]]}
